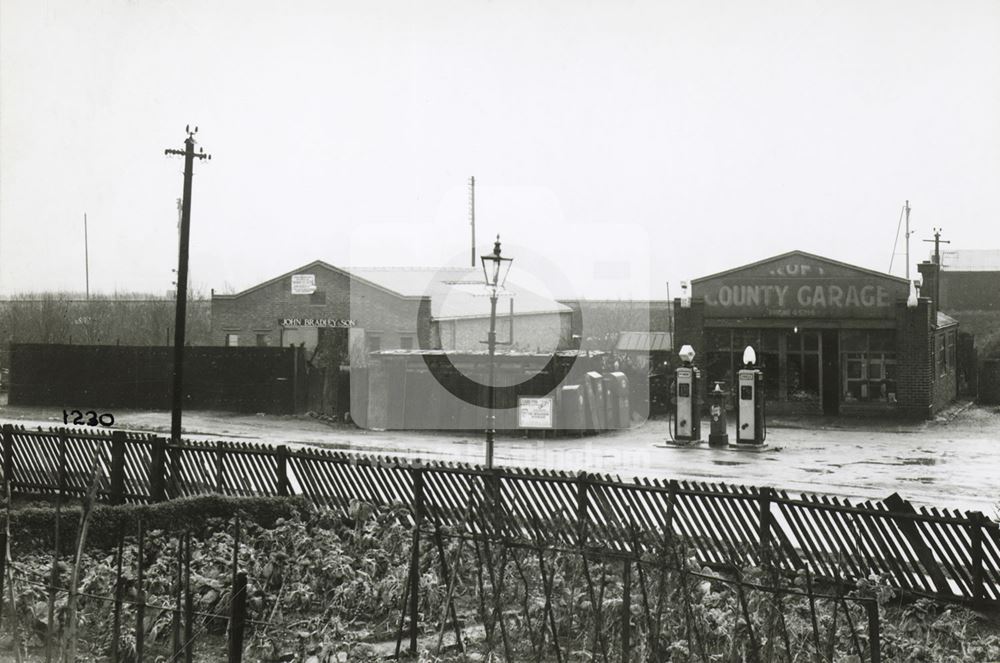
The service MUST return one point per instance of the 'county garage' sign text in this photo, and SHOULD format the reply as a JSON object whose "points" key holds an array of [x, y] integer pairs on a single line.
{"points": [[800, 287]]}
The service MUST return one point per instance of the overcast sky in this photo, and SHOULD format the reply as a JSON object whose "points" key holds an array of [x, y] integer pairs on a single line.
{"points": [[619, 144]]}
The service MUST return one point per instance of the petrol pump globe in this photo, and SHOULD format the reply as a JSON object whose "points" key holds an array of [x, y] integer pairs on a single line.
{"points": [[686, 354], [749, 356]]}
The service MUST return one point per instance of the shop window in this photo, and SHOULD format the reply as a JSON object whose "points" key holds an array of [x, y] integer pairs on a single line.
{"points": [[718, 339], [744, 337], [768, 364], [232, 340], [868, 365], [769, 341], [802, 372], [803, 377], [719, 368]]}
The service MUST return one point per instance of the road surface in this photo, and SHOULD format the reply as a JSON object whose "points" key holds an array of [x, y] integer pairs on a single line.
{"points": [[952, 461]]}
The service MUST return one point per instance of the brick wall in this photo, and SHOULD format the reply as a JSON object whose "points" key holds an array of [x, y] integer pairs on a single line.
{"points": [[930, 273], [915, 358], [374, 310]]}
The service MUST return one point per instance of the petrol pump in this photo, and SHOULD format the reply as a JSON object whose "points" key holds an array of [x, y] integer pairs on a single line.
{"points": [[687, 423], [751, 428]]}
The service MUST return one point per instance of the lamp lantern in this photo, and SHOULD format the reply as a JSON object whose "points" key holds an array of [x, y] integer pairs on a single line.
{"points": [[749, 356], [496, 267]]}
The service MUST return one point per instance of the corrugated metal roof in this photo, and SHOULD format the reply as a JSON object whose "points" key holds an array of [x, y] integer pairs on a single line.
{"points": [[635, 341], [971, 260], [456, 292]]}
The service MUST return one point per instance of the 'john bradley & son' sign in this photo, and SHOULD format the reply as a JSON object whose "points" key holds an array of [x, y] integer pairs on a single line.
{"points": [[800, 285]]}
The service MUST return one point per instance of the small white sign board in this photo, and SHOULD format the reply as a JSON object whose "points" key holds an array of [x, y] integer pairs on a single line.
{"points": [[303, 284], [534, 412]]}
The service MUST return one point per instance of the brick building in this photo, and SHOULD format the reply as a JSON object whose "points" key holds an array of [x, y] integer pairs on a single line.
{"points": [[361, 310], [830, 338], [321, 306]]}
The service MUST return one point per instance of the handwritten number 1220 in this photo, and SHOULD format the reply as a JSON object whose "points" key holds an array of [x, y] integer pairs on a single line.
{"points": [[90, 418]]}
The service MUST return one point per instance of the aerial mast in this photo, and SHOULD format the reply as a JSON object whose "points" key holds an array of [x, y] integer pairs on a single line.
{"points": [[472, 216], [907, 210]]}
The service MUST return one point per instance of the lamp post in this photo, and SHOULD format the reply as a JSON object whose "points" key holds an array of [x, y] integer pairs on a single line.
{"points": [[495, 270]]}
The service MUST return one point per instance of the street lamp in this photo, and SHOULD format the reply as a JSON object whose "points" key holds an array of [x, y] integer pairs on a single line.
{"points": [[495, 270]]}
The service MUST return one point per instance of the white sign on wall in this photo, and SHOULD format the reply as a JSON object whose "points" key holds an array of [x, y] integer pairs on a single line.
{"points": [[303, 284], [534, 412]]}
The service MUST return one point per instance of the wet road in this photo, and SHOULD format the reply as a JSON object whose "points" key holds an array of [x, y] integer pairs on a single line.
{"points": [[950, 462]]}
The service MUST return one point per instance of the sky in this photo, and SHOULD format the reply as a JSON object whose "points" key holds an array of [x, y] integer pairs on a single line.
{"points": [[618, 147]]}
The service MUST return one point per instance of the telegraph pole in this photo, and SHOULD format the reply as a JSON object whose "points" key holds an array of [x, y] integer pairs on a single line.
{"points": [[937, 245], [182, 273]]}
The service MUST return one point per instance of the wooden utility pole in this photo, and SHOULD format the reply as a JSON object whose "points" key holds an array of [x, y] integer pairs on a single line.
{"points": [[182, 273], [937, 245]]}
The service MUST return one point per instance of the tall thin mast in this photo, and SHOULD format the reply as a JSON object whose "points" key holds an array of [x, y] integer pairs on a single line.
{"points": [[907, 208], [472, 217], [86, 255]]}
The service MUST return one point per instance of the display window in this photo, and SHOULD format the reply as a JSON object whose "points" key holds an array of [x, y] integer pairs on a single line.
{"points": [[868, 366], [802, 374]]}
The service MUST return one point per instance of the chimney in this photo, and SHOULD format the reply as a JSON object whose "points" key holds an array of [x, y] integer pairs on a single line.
{"points": [[930, 271]]}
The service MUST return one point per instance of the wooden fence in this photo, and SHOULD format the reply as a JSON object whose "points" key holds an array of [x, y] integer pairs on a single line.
{"points": [[941, 553]]}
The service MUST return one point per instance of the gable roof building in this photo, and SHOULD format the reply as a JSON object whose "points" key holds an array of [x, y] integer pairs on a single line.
{"points": [[830, 338], [385, 308]]}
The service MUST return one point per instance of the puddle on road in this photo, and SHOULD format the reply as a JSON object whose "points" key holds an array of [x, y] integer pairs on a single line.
{"points": [[918, 461], [817, 470], [923, 480], [728, 462]]}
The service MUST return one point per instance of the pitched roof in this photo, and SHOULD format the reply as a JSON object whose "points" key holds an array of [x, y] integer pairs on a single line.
{"points": [[299, 270], [805, 254], [944, 320], [455, 292]]}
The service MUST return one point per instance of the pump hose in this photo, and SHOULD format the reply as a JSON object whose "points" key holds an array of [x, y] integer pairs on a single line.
{"points": [[763, 416]]}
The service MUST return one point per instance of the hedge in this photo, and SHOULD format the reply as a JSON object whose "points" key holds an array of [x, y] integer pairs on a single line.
{"points": [[33, 527]]}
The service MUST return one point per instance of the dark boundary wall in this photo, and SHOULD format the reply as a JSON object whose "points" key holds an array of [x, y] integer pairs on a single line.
{"points": [[87, 377]]}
